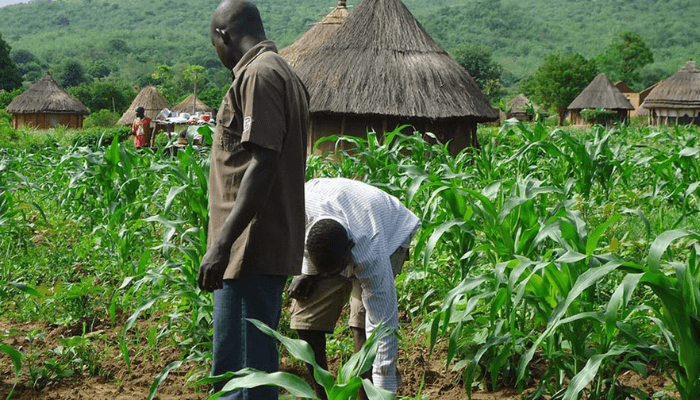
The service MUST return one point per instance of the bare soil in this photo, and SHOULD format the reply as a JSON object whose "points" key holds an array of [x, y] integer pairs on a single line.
{"points": [[422, 373]]}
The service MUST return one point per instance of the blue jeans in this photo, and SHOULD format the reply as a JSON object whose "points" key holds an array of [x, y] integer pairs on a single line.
{"points": [[239, 344]]}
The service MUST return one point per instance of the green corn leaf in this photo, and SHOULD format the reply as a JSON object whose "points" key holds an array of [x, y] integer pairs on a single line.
{"points": [[174, 191], [26, 289], [252, 378], [15, 356], [301, 351], [161, 377], [594, 237], [348, 390], [589, 371], [376, 393], [661, 244], [361, 361]]}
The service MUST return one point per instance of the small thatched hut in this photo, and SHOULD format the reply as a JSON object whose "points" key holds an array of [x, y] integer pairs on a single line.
{"points": [[518, 108], [192, 104], [631, 95], [45, 105], [676, 99], [601, 93], [307, 43], [150, 99], [380, 70]]}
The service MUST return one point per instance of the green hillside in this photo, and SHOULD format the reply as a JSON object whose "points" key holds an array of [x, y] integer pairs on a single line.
{"points": [[126, 39]]}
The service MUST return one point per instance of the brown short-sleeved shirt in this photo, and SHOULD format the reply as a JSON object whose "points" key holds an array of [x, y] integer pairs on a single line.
{"points": [[267, 105]]}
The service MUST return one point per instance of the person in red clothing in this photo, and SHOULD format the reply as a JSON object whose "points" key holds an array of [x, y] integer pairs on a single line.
{"points": [[141, 128]]}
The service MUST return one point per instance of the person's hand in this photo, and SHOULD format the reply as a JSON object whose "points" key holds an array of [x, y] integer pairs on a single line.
{"points": [[301, 287], [212, 268]]}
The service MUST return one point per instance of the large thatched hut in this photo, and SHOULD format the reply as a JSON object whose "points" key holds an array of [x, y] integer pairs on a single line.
{"points": [[676, 99], [45, 105], [312, 39], [600, 93], [150, 99], [191, 105], [380, 70]]}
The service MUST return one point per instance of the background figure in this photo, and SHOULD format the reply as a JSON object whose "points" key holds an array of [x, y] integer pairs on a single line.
{"points": [[141, 128], [357, 239], [256, 194]]}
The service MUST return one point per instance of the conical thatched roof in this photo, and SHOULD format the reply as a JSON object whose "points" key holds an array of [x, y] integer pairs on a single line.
{"points": [[682, 90], [191, 105], [381, 62], [517, 105], [623, 87], [601, 93], [150, 100], [307, 43], [46, 97]]}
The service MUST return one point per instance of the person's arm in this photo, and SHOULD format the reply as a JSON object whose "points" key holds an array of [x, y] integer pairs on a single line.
{"points": [[252, 195]]}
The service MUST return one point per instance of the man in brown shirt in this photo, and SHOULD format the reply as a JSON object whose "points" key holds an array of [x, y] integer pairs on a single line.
{"points": [[256, 194]]}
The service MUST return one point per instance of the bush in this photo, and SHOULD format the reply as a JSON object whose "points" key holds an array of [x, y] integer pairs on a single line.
{"points": [[7, 97], [103, 118], [599, 116]]}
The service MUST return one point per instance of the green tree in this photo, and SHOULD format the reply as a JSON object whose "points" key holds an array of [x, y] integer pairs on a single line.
{"points": [[10, 79], [103, 96], [624, 57], [478, 61], [70, 73], [194, 74], [559, 80]]}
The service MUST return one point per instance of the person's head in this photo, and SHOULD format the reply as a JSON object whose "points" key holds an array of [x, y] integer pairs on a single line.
{"points": [[235, 28], [328, 246], [140, 112]]}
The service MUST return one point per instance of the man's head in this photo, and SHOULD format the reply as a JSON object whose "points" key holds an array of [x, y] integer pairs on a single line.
{"points": [[328, 246], [140, 112], [235, 28]]}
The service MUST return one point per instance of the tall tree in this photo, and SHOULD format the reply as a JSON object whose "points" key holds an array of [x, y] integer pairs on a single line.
{"points": [[477, 60], [559, 80], [10, 79], [624, 57]]}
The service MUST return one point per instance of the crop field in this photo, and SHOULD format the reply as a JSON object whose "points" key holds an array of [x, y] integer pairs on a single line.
{"points": [[552, 263]]}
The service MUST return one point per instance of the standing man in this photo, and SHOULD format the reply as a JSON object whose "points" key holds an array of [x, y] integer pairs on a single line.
{"points": [[357, 239], [256, 194]]}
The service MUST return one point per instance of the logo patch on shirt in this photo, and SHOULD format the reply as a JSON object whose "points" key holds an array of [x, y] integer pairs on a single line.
{"points": [[246, 125]]}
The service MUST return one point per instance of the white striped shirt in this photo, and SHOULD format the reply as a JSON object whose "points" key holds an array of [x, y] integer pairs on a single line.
{"points": [[378, 224]]}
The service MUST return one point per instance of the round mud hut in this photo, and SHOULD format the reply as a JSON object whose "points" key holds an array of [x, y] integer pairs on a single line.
{"points": [[192, 104], [312, 39], [600, 93], [150, 99], [46, 105], [676, 100], [381, 70]]}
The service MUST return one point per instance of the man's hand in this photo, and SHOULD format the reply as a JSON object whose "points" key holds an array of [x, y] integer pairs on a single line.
{"points": [[301, 287], [212, 268]]}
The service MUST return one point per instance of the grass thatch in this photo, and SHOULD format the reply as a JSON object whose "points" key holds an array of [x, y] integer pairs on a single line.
{"points": [[682, 90], [601, 93], [46, 97], [307, 43], [192, 104], [150, 99], [382, 62]]}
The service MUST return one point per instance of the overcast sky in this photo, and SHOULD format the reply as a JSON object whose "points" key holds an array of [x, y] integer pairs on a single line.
{"points": [[4, 3]]}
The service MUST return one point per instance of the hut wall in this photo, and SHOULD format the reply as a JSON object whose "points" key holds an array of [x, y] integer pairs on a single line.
{"points": [[461, 133], [46, 121], [671, 116]]}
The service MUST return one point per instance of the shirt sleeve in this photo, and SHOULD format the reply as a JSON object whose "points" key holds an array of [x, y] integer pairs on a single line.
{"points": [[262, 101]]}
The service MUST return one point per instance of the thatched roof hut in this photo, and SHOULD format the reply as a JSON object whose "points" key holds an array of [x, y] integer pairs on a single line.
{"points": [[46, 105], [518, 108], [380, 70], [676, 99], [192, 104], [600, 93], [150, 99], [307, 43]]}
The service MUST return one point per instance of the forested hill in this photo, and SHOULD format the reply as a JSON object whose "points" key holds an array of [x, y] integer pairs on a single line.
{"points": [[128, 38]]}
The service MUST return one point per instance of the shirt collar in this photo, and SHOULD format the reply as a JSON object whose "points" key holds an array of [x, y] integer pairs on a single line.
{"points": [[253, 53]]}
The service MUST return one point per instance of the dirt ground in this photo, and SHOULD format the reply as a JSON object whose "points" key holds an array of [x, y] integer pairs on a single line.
{"points": [[421, 373]]}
